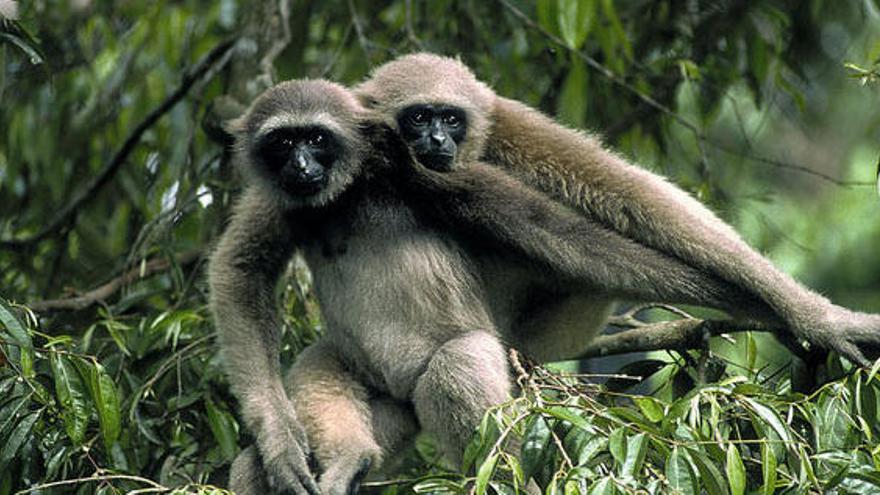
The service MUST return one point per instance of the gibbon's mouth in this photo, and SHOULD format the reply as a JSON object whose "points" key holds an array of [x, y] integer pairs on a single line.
{"points": [[306, 187], [440, 162]]}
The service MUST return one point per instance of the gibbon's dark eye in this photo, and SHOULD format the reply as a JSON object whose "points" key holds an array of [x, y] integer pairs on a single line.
{"points": [[317, 139], [451, 120], [418, 117]]}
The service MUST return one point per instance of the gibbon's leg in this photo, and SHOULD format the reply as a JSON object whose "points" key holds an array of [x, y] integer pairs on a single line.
{"points": [[465, 377], [577, 170], [562, 328], [350, 430], [247, 475]]}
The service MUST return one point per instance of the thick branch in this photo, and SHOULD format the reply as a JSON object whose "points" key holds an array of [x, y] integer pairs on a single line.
{"points": [[688, 333], [67, 215], [103, 292]]}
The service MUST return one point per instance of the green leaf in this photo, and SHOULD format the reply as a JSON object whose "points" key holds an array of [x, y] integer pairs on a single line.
{"points": [[575, 18], [438, 485], [20, 433], [736, 471], [679, 472], [770, 417], [223, 427], [709, 473], [567, 414], [484, 474], [768, 468], [72, 396], [18, 332], [617, 446], [106, 398], [650, 407], [636, 448], [605, 486], [10, 412], [572, 105], [535, 444]]}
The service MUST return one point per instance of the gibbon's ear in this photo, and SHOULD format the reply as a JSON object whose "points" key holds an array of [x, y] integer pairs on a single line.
{"points": [[235, 127]]}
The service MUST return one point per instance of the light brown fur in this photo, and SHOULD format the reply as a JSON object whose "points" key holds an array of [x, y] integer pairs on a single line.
{"points": [[576, 169]]}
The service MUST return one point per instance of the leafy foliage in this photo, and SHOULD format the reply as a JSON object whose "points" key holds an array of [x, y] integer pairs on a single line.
{"points": [[746, 104]]}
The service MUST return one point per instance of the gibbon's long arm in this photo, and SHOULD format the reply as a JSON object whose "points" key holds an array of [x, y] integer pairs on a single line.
{"points": [[574, 168], [497, 213], [244, 270]]}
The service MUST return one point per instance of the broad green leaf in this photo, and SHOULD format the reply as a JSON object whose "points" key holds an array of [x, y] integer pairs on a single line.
{"points": [[650, 407], [484, 474], [605, 486], [679, 472], [106, 398], [593, 447], [10, 412], [751, 350], [535, 444], [620, 37], [18, 332], [636, 449], [575, 18], [438, 485], [72, 396], [547, 14], [19, 435], [617, 446], [736, 471], [709, 474], [572, 104], [567, 414], [771, 417], [768, 468], [223, 427]]}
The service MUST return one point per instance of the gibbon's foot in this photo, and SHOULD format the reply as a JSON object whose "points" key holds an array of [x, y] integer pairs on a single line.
{"points": [[284, 451], [344, 475], [849, 333]]}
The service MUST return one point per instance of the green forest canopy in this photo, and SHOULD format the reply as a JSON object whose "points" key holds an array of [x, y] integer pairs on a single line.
{"points": [[114, 183]]}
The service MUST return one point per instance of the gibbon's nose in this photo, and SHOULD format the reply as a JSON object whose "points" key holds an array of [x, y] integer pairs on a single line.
{"points": [[301, 159], [438, 135]]}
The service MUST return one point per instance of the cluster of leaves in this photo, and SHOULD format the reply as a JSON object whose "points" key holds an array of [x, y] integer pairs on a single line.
{"points": [[119, 400], [738, 435]]}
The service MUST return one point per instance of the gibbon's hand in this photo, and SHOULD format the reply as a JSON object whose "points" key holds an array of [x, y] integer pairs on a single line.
{"points": [[849, 333], [344, 475], [284, 450]]}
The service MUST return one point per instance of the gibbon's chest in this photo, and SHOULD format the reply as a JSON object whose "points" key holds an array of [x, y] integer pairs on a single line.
{"points": [[392, 292]]}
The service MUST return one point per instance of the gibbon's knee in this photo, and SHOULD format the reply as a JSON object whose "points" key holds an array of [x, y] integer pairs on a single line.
{"points": [[465, 377], [333, 406], [246, 476]]}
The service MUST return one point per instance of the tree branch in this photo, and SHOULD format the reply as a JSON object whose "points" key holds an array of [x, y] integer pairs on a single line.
{"points": [[67, 215], [687, 333], [103, 292]]}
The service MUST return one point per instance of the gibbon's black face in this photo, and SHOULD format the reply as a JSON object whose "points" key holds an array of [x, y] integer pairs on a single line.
{"points": [[434, 133], [300, 158]]}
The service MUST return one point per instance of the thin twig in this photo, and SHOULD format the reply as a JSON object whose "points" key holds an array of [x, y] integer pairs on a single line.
{"points": [[67, 215], [103, 292], [95, 478], [267, 63], [359, 30], [650, 101]]}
